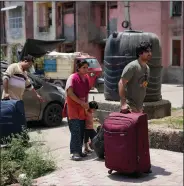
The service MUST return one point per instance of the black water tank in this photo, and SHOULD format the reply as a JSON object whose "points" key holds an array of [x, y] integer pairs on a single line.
{"points": [[120, 50]]}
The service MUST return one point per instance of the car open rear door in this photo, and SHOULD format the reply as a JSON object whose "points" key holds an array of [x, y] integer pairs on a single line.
{"points": [[32, 104]]}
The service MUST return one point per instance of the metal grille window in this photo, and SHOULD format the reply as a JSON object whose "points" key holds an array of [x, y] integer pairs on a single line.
{"points": [[176, 8], [15, 18], [113, 4]]}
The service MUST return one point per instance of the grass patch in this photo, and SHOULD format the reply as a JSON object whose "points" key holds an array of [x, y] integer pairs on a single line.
{"points": [[176, 109], [22, 162], [175, 122]]}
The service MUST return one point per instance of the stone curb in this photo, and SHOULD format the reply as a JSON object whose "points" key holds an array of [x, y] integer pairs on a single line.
{"points": [[170, 139], [167, 139]]}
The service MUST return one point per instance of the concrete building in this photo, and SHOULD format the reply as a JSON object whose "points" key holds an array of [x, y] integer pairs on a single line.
{"points": [[162, 18], [86, 25], [44, 16], [18, 23]]}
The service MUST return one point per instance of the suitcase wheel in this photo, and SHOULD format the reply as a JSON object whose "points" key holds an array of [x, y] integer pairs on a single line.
{"points": [[148, 172], [110, 171]]}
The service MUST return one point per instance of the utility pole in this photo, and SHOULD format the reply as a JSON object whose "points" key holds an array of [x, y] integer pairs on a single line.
{"points": [[127, 14]]}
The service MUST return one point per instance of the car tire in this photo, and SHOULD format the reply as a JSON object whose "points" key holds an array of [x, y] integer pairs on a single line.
{"points": [[53, 115]]}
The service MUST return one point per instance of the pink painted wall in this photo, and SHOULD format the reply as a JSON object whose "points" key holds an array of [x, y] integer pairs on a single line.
{"points": [[152, 17], [144, 16], [69, 27], [113, 13], [69, 19], [96, 16]]}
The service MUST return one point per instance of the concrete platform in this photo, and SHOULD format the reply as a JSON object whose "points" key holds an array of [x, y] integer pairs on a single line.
{"points": [[173, 93], [154, 110], [172, 96]]}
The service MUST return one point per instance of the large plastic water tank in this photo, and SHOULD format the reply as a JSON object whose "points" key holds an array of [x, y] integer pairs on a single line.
{"points": [[120, 50]]}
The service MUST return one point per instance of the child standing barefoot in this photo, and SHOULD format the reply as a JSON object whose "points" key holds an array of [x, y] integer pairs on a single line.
{"points": [[89, 130]]}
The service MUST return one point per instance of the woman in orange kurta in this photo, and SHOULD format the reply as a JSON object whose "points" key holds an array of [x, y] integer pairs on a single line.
{"points": [[77, 90]]}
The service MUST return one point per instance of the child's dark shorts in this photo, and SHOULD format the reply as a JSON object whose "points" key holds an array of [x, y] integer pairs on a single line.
{"points": [[89, 133]]}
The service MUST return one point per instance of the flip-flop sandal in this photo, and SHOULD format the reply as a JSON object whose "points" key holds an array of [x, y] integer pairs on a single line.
{"points": [[88, 151]]}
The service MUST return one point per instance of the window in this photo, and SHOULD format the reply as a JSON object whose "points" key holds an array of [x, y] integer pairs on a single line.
{"points": [[102, 15], [102, 55], [68, 7], [113, 4], [44, 11], [93, 63], [59, 15], [49, 16], [15, 18], [176, 52], [176, 8]]}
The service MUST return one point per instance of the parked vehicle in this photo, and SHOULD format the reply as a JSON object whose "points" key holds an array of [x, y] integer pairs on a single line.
{"points": [[59, 66], [50, 111]]}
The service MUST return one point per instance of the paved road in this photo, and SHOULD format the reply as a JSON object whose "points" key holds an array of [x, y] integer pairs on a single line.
{"points": [[173, 93], [167, 166]]}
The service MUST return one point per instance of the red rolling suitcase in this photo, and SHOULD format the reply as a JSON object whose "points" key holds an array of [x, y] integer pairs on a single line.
{"points": [[126, 143]]}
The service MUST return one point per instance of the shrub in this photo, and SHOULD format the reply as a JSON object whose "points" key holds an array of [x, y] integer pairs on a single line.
{"points": [[21, 162]]}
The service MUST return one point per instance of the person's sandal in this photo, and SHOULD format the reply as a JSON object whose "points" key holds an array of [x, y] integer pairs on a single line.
{"points": [[83, 155], [88, 151], [76, 157]]}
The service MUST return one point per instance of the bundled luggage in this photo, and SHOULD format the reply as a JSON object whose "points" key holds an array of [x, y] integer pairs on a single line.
{"points": [[98, 143], [12, 120], [126, 143]]}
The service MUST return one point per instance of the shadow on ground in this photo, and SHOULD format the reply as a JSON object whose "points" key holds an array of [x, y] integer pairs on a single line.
{"points": [[179, 85], [38, 126], [144, 178], [130, 178], [92, 156]]}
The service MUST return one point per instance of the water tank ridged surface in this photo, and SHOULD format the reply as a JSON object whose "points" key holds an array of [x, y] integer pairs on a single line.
{"points": [[120, 50]]}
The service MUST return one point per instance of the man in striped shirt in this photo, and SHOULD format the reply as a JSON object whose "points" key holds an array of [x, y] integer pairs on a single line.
{"points": [[15, 80]]}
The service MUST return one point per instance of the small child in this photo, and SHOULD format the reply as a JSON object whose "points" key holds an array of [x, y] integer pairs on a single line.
{"points": [[89, 130]]}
